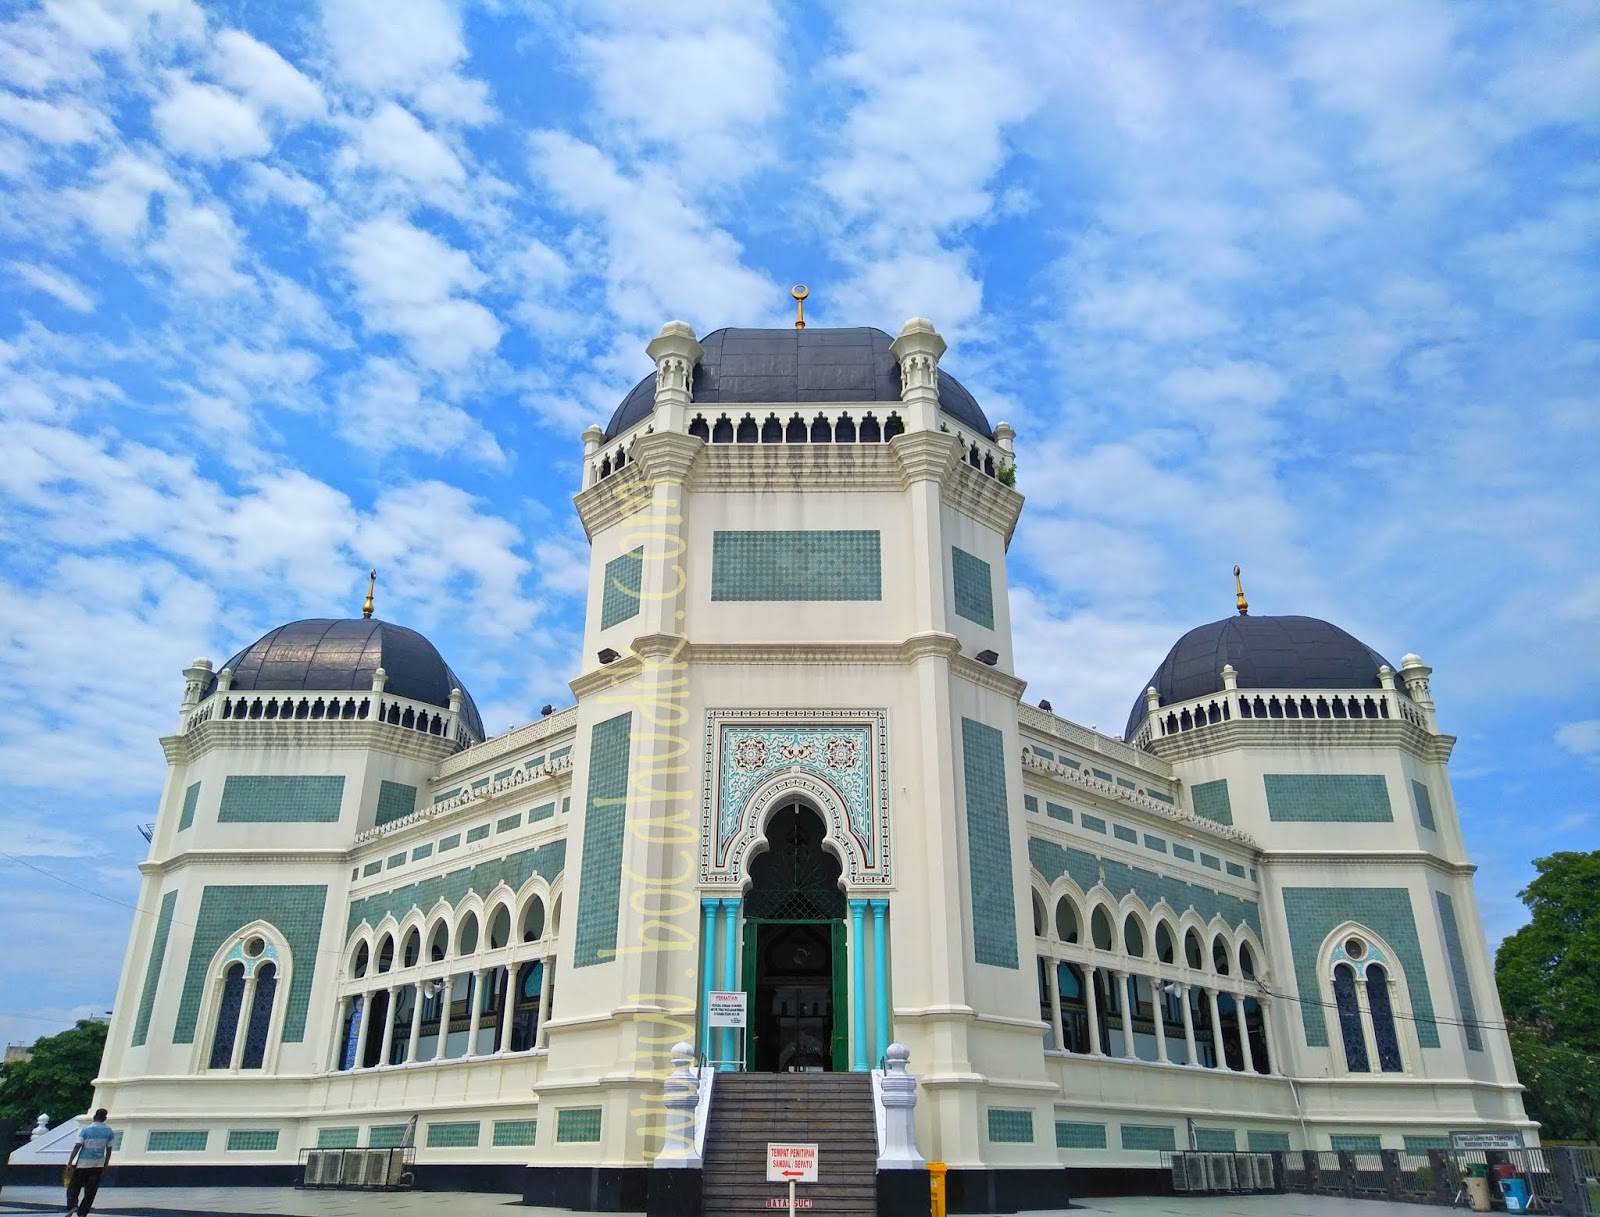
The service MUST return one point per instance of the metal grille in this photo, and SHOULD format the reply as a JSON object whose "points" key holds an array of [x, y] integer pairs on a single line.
{"points": [[796, 879]]}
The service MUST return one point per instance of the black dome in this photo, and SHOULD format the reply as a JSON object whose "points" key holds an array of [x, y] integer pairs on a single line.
{"points": [[810, 365], [1267, 653], [325, 654]]}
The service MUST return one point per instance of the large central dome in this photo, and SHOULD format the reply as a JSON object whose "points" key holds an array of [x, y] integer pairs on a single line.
{"points": [[799, 366]]}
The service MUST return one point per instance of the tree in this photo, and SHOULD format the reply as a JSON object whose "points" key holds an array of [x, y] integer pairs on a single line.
{"points": [[1548, 974], [57, 1078]]}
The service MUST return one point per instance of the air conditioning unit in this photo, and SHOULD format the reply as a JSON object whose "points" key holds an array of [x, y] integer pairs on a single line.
{"points": [[1220, 1175], [387, 1167], [355, 1168], [322, 1168], [1180, 1173]]}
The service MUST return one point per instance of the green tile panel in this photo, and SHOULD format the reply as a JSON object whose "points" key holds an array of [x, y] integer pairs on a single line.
{"points": [[619, 599], [1159, 797], [273, 799], [1149, 1136], [252, 1140], [421, 852], [1123, 833], [1313, 912], [445, 796], [1044, 752], [503, 774], [1127, 783], [1084, 868], [513, 870], [191, 800], [296, 910], [1459, 976], [795, 565], [152, 969], [1182, 851], [1210, 800], [1030, 803], [453, 841], [480, 784], [507, 823], [338, 1138], [372, 868], [1010, 1126], [1424, 802], [396, 801], [1101, 774], [1073, 1135], [974, 594], [1158, 844], [1092, 823], [176, 1141], [604, 826], [1267, 1142], [542, 812], [460, 1134], [1328, 798], [395, 860], [1057, 812], [558, 753], [1216, 1140], [1421, 1143], [534, 763], [578, 1124], [1356, 1143], [989, 878], [1210, 861], [515, 1132], [1235, 870], [481, 832], [385, 1136]]}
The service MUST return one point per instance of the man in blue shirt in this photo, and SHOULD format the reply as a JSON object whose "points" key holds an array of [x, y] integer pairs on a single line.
{"points": [[90, 1157]]}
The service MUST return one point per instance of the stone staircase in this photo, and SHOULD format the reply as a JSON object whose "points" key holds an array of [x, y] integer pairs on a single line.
{"points": [[832, 1110]]}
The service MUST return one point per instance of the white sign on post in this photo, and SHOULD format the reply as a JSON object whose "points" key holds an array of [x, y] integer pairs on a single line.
{"points": [[725, 1009], [797, 1163]]}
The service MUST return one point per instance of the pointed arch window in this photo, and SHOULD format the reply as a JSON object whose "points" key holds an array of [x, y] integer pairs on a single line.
{"points": [[227, 1028], [260, 1025], [246, 999], [1349, 1007], [1382, 1011], [525, 1014]]}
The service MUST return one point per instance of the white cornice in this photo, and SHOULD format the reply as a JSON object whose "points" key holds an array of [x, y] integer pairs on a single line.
{"points": [[1081, 738], [306, 733], [529, 735], [1366, 858], [1303, 733], [245, 857]]}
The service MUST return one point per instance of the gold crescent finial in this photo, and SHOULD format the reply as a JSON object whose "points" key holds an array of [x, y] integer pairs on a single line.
{"points": [[1244, 605], [799, 291], [372, 582]]}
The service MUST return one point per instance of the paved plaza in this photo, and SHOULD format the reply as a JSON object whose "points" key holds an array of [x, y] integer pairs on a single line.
{"points": [[290, 1202]]}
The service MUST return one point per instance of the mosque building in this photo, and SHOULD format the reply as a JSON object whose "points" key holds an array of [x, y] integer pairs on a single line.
{"points": [[800, 766]]}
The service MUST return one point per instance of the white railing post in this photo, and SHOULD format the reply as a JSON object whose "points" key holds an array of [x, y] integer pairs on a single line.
{"points": [[680, 1143], [897, 1098]]}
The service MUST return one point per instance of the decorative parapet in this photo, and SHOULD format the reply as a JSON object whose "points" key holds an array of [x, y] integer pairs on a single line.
{"points": [[1279, 705], [557, 768], [1108, 746], [332, 707], [528, 735], [1110, 790]]}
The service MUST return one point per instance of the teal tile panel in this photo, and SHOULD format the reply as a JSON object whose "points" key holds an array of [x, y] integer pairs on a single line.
{"points": [[619, 599], [534, 763], [1328, 798], [191, 800], [296, 910], [1421, 1143], [481, 832], [1010, 1126], [994, 921], [1071, 1134], [1182, 851], [1216, 1140], [273, 799], [1029, 803], [1092, 823], [1149, 1136], [1357, 1143], [1313, 912], [513, 870], [542, 812], [515, 1132], [974, 594], [252, 1140], [446, 796], [385, 1136], [1084, 868], [1044, 752], [566, 805], [152, 969], [395, 860], [507, 823], [1127, 783], [176, 1141], [1057, 812], [1101, 774], [1459, 975], [372, 868], [1424, 802], [503, 774], [1261, 1142], [578, 1124], [1235, 870], [1211, 801], [1123, 833], [558, 753], [1210, 861], [396, 801], [453, 841], [457, 1134], [794, 565], [1158, 844], [480, 784], [116, 1139], [604, 825], [422, 851], [1159, 797], [338, 1138]]}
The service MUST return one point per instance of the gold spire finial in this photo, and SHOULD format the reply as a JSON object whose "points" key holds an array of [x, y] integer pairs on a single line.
{"points": [[372, 582], [799, 291], [1244, 605]]}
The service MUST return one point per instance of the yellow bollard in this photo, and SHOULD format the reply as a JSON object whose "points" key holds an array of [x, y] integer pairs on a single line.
{"points": [[936, 1172]]}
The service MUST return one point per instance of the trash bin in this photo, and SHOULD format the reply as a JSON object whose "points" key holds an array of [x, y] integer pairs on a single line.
{"points": [[1477, 1182], [936, 1185], [1516, 1193]]}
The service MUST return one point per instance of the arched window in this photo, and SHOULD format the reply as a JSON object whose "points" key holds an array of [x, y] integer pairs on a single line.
{"points": [[821, 430], [525, 1014], [533, 921], [1038, 918], [1074, 1008], [795, 432], [1192, 953], [871, 432], [228, 1008], [467, 938], [772, 430], [499, 928], [1344, 997], [555, 916], [411, 951], [893, 427], [1247, 962], [844, 431], [386, 953], [722, 433], [1219, 955], [358, 964], [1133, 936], [700, 429], [1066, 920], [1100, 930], [439, 944], [260, 1025], [749, 433], [1164, 947], [1382, 1011]]}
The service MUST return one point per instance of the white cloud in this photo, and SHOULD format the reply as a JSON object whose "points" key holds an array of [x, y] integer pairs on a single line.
{"points": [[200, 246], [258, 71], [393, 141], [412, 284], [1581, 738], [208, 122], [406, 47], [385, 408], [63, 287], [59, 122], [117, 206]]}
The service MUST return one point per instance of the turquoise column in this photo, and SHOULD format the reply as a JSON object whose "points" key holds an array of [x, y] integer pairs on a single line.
{"points": [[858, 985], [708, 979], [730, 969], [880, 980]]}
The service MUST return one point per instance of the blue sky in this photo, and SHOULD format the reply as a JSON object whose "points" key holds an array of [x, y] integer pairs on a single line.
{"points": [[291, 290]]}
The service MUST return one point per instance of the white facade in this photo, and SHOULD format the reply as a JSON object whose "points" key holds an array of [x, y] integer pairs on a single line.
{"points": [[823, 627]]}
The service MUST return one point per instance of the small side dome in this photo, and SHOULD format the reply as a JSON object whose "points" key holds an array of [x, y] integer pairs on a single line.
{"points": [[1266, 653], [322, 654]]}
